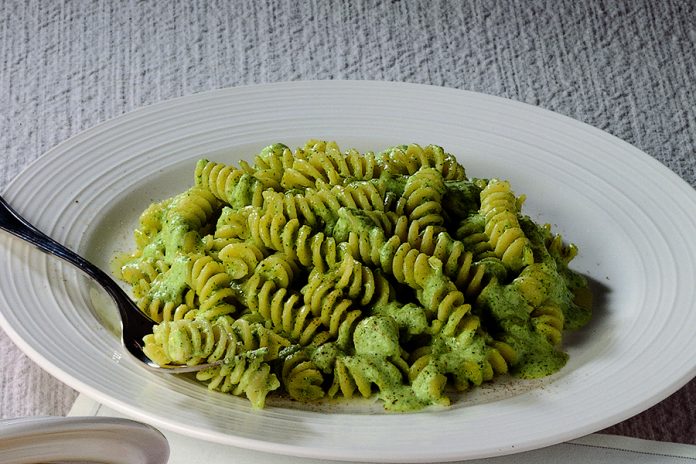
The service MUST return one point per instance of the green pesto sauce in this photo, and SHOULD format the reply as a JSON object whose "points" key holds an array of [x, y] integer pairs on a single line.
{"points": [[389, 380], [538, 358], [393, 184], [170, 285], [174, 234], [324, 356], [350, 220], [154, 249], [378, 336], [506, 306], [461, 199], [409, 317], [402, 398], [242, 192], [567, 283]]}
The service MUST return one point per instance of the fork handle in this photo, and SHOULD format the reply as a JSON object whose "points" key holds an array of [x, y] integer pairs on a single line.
{"points": [[12, 222], [140, 323]]}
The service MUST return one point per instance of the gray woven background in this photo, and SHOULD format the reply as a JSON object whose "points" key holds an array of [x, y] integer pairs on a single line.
{"points": [[627, 67]]}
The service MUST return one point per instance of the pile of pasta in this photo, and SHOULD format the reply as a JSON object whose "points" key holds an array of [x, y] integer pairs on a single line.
{"points": [[318, 274]]}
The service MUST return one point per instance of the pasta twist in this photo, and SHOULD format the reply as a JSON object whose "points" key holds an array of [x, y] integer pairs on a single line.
{"points": [[468, 361], [359, 373], [554, 244], [240, 259], [359, 283], [499, 207], [458, 263], [279, 269], [140, 273], [212, 286], [326, 302], [246, 375], [316, 162], [548, 319], [365, 196], [301, 377], [193, 341], [244, 347], [324, 162], [187, 219], [501, 356], [231, 227], [172, 310], [271, 164], [231, 185], [283, 309], [407, 159], [423, 273], [150, 223], [422, 197], [546, 315], [306, 208], [195, 207], [296, 241], [471, 232]]}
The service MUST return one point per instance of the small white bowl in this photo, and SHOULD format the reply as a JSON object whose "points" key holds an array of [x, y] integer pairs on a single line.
{"points": [[105, 440]]}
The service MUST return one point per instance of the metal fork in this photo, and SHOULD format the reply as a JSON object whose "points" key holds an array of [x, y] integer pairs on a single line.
{"points": [[134, 323]]}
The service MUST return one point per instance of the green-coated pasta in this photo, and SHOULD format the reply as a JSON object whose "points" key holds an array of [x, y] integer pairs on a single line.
{"points": [[321, 274]]}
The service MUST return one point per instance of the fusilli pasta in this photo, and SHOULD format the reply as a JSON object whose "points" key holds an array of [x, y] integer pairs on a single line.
{"points": [[317, 273]]}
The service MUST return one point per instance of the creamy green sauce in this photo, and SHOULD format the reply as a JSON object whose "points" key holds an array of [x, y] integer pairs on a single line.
{"points": [[377, 336], [170, 285], [511, 313]]}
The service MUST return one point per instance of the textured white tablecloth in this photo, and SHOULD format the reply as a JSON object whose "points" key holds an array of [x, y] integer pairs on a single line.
{"points": [[625, 67]]}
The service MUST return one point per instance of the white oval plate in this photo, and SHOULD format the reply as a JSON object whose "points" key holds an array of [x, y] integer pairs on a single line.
{"points": [[84, 439], [632, 218]]}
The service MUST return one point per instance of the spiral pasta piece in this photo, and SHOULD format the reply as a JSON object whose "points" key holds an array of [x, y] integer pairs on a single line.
{"points": [[471, 232], [323, 162], [423, 273], [501, 356], [284, 310], [296, 241], [358, 374], [467, 361], [301, 377], [231, 227], [336, 313], [160, 310], [271, 164], [458, 262], [499, 207], [140, 273], [361, 166], [546, 314], [422, 197], [150, 222], [240, 259], [212, 286], [192, 341], [554, 244], [407, 159], [362, 285], [231, 185], [548, 320], [364, 196]]}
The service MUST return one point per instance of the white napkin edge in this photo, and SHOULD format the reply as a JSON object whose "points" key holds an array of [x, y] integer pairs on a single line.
{"points": [[585, 449]]}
